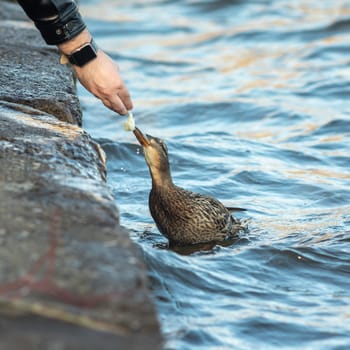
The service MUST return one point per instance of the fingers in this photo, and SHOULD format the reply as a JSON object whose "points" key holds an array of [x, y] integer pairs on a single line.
{"points": [[118, 101], [126, 99], [116, 104]]}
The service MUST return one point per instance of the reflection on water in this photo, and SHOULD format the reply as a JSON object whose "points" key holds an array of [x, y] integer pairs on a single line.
{"points": [[252, 99]]}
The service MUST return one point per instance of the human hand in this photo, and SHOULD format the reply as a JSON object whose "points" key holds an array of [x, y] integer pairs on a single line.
{"points": [[101, 77]]}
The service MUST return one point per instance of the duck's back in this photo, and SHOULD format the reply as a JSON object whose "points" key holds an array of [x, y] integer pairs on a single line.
{"points": [[185, 217]]}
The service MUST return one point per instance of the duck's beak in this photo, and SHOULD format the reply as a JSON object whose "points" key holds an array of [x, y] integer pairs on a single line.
{"points": [[141, 138]]}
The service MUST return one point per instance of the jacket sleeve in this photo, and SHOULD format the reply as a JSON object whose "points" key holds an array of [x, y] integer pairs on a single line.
{"points": [[57, 20]]}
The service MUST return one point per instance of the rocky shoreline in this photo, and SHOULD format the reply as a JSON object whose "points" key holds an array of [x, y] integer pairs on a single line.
{"points": [[70, 277]]}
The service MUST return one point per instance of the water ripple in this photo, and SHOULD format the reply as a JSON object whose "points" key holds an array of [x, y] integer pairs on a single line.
{"points": [[251, 98]]}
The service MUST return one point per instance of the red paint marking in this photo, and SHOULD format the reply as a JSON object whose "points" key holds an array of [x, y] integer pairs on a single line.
{"points": [[28, 283]]}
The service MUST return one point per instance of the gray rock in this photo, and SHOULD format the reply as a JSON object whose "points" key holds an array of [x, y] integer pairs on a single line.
{"points": [[30, 73], [70, 277]]}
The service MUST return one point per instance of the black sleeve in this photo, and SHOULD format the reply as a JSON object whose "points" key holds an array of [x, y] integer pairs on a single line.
{"points": [[57, 20]]}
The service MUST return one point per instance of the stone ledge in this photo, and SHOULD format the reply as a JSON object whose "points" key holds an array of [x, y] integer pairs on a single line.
{"points": [[70, 277], [29, 67]]}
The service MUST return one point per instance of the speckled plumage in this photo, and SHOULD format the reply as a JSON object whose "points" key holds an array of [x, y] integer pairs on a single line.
{"points": [[184, 217]]}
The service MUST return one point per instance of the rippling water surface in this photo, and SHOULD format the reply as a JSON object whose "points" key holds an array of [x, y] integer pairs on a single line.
{"points": [[252, 98]]}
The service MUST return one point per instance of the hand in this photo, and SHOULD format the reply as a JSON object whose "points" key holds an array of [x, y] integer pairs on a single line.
{"points": [[101, 77]]}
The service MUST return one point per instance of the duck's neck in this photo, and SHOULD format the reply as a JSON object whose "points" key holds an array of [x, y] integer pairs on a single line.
{"points": [[161, 179]]}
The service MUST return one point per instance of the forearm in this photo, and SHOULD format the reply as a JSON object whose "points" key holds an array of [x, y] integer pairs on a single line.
{"points": [[57, 20]]}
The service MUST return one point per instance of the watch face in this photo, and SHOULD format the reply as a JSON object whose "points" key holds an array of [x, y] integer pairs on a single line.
{"points": [[83, 56]]}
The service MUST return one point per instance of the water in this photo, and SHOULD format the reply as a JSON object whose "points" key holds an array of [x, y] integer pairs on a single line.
{"points": [[252, 100]]}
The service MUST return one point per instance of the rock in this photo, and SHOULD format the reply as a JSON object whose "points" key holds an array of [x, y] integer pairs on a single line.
{"points": [[31, 67], [70, 276]]}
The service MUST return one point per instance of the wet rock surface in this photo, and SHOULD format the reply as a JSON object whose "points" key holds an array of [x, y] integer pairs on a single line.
{"points": [[70, 277]]}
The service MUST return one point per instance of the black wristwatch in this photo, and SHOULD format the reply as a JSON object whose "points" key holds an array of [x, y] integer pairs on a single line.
{"points": [[81, 56]]}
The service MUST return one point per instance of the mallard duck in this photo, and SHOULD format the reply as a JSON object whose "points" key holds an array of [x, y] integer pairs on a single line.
{"points": [[184, 217]]}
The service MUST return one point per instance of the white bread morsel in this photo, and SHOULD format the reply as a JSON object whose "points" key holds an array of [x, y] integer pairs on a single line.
{"points": [[129, 125]]}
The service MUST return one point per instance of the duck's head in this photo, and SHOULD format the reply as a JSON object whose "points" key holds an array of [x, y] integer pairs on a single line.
{"points": [[156, 155]]}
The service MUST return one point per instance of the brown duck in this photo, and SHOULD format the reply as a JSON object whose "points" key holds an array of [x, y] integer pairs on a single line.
{"points": [[184, 217]]}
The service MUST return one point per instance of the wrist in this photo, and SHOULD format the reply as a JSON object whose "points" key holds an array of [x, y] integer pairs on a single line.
{"points": [[75, 43], [79, 51]]}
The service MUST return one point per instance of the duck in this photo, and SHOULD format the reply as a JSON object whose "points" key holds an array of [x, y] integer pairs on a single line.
{"points": [[184, 217]]}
